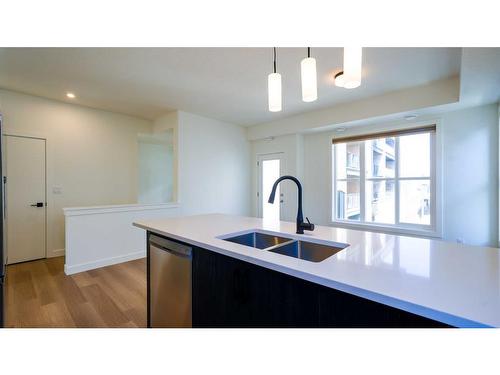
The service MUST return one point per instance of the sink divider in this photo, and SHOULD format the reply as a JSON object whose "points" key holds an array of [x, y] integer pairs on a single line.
{"points": [[280, 245]]}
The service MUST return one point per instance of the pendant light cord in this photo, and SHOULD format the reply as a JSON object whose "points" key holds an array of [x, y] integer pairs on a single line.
{"points": [[274, 59], [308, 52]]}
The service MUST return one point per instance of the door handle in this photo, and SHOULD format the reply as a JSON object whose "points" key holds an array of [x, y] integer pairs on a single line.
{"points": [[37, 204]]}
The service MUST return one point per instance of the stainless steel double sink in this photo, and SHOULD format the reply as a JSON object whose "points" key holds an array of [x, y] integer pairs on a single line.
{"points": [[300, 249]]}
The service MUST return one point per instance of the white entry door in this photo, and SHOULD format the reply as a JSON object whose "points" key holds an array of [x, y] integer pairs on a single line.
{"points": [[25, 198], [270, 168]]}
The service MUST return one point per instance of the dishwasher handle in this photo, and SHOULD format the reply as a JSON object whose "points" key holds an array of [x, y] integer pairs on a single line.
{"points": [[172, 247]]}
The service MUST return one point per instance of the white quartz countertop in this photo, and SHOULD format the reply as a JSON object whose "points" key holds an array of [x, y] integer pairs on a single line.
{"points": [[448, 282]]}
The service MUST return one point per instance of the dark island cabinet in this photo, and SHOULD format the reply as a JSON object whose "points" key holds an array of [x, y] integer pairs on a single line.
{"points": [[228, 292]]}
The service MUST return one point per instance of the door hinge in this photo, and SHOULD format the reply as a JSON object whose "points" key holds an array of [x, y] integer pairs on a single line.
{"points": [[258, 164]]}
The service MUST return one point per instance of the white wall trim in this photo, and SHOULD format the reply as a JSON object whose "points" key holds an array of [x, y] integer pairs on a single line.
{"points": [[55, 253], [498, 180], [70, 270], [380, 228], [92, 210]]}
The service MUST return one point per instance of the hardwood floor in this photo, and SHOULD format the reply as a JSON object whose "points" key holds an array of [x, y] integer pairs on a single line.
{"points": [[39, 294]]}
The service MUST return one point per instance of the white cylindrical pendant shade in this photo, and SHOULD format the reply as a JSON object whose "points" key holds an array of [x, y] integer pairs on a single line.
{"points": [[274, 91], [309, 79], [352, 67]]}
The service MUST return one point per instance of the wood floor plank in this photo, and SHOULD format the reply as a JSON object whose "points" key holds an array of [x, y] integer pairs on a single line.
{"points": [[45, 286], [105, 306], [120, 294], [83, 279], [85, 316], [124, 277], [68, 287], [55, 265], [39, 294], [59, 315], [22, 285], [137, 316]]}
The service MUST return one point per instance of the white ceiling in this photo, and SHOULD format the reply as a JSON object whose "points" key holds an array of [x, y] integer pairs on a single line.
{"points": [[228, 84]]}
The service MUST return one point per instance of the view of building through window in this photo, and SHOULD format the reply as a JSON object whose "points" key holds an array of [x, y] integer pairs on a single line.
{"points": [[384, 180]]}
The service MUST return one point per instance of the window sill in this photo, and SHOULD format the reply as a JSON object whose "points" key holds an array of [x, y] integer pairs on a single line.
{"points": [[380, 228]]}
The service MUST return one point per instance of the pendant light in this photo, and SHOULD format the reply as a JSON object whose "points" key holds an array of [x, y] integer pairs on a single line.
{"points": [[352, 67], [309, 78], [274, 87]]}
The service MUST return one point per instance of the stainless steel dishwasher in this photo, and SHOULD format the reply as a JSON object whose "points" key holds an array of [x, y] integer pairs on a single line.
{"points": [[169, 292]]}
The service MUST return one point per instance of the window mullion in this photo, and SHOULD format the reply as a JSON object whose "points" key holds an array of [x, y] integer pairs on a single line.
{"points": [[432, 181], [334, 183], [362, 176], [396, 182]]}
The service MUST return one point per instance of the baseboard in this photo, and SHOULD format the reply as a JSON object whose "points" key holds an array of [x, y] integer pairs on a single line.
{"points": [[55, 253], [70, 270]]}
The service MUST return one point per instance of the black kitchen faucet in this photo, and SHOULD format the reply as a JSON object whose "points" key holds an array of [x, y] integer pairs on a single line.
{"points": [[301, 226]]}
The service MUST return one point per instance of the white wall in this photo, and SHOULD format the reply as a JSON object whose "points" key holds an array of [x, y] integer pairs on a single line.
{"points": [[213, 166], [170, 122], [470, 174], [437, 93], [156, 161], [289, 146], [102, 236], [212, 176], [91, 154]]}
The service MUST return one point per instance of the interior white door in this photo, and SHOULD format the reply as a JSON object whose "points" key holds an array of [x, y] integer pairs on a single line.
{"points": [[25, 198], [270, 168]]}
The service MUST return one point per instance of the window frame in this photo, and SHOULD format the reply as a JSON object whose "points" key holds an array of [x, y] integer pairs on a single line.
{"points": [[434, 229]]}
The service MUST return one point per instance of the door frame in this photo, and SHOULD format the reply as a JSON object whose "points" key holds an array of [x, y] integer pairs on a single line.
{"points": [[29, 136], [260, 159]]}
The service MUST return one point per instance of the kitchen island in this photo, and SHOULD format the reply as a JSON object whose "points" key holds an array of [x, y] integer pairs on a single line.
{"points": [[378, 280]]}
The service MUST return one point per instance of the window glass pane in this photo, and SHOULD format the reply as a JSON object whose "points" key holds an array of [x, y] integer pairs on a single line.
{"points": [[414, 155], [270, 173], [347, 155], [380, 200], [414, 205], [380, 157], [348, 202]]}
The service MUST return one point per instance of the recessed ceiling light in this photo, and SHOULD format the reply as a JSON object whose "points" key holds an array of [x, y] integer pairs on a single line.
{"points": [[70, 95], [341, 129], [410, 117]]}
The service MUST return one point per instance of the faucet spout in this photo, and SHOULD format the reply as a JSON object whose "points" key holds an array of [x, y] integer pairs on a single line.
{"points": [[300, 220]]}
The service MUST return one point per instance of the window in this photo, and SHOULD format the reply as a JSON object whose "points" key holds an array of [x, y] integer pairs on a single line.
{"points": [[386, 180]]}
